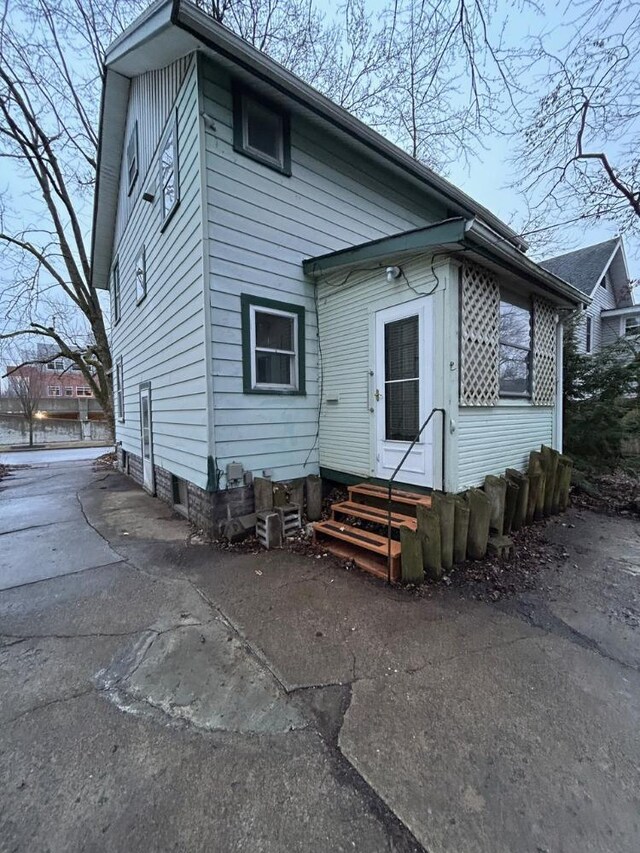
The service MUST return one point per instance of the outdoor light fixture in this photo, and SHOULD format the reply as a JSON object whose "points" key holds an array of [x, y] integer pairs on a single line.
{"points": [[393, 273]]}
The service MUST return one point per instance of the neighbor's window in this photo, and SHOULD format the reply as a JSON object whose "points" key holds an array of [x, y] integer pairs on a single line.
{"points": [[515, 347], [119, 390], [141, 277], [261, 131], [68, 391], [169, 187], [632, 326], [55, 365], [587, 344], [83, 391], [132, 156], [273, 346], [115, 291], [54, 391]]}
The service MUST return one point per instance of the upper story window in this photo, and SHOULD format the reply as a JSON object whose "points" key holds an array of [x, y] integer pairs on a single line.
{"points": [[119, 390], [515, 346], [273, 346], [141, 277], [68, 391], [261, 131], [632, 326], [83, 391], [115, 291], [54, 390], [588, 335], [604, 282], [132, 157], [169, 183], [55, 365]]}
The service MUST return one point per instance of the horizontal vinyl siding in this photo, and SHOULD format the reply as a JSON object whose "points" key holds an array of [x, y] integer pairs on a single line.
{"points": [[262, 225], [603, 300], [162, 339], [493, 438], [151, 98], [346, 315]]}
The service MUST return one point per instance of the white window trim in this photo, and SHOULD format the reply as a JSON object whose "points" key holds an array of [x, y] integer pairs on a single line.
{"points": [[141, 262], [55, 389], [115, 278], [271, 386], [132, 178], [120, 389], [170, 132]]}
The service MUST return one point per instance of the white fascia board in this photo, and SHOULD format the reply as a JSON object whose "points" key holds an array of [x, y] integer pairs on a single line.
{"points": [[621, 312]]}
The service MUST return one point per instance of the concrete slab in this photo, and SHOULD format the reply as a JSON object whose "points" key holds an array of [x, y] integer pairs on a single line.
{"points": [[53, 456], [81, 775], [37, 510], [34, 555], [205, 676], [528, 746]]}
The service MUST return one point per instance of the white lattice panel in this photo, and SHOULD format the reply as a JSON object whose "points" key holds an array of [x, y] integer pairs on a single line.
{"points": [[479, 330], [544, 353]]}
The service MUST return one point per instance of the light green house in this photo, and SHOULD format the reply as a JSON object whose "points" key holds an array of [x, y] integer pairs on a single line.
{"points": [[293, 295]]}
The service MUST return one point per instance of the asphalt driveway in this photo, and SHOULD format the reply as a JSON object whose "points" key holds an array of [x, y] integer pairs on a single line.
{"points": [[160, 694]]}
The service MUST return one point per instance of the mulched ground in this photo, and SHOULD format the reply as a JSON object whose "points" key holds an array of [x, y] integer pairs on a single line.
{"points": [[105, 462], [613, 493]]}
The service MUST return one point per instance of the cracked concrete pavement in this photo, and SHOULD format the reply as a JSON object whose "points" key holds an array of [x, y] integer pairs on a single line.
{"points": [[160, 694]]}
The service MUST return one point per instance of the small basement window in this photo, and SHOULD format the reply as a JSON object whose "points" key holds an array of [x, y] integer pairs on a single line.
{"points": [[273, 346], [141, 277], [169, 183], [261, 131], [132, 157], [515, 347], [180, 495]]}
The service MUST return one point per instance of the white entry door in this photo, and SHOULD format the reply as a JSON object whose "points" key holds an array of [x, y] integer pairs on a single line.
{"points": [[404, 391], [146, 438]]}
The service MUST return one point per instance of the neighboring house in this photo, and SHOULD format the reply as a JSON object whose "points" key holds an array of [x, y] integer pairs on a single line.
{"points": [[57, 379], [600, 272], [293, 295]]}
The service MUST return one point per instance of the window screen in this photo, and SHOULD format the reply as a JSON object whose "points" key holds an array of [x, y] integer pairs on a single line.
{"points": [[274, 349], [263, 130], [402, 379]]}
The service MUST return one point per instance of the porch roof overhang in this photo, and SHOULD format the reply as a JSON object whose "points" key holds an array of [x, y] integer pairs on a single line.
{"points": [[630, 310], [457, 237]]}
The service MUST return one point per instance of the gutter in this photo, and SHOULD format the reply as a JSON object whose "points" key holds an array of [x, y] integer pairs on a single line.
{"points": [[485, 241], [187, 17]]}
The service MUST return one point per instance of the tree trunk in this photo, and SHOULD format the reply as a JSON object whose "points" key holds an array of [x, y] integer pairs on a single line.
{"points": [[30, 432]]}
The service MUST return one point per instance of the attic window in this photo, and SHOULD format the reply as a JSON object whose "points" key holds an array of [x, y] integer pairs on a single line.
{"points": [[261, 131], [604, 282], [132, 157]]}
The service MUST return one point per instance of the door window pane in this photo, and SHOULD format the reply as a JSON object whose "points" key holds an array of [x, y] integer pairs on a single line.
{"points": [[402, 410], [402, 383], [401, 350]]}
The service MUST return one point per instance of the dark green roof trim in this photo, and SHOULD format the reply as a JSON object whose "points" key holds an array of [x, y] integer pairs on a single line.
{"points": [[449, 232], [450, 236]]}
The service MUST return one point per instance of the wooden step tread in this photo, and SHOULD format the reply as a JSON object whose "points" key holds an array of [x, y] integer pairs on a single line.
{"points": [[397, 495], [372, 564], [372, 513], [362, 538]]}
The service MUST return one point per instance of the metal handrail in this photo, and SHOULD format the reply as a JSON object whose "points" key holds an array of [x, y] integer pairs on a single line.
{"points": [[393, 476]]}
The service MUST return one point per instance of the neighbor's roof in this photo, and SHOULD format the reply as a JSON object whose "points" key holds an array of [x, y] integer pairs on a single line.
{"points": [[585, 267], [169, 29], [464, 238]]}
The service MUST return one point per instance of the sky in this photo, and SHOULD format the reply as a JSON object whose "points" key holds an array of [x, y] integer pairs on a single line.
{"points": [[486, 177]]}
